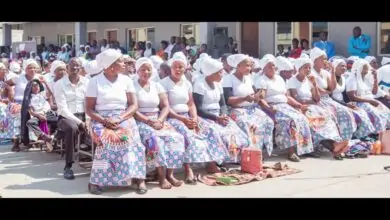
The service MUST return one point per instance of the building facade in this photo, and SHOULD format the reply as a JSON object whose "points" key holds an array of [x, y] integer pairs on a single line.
{"points": [[254, 38]]}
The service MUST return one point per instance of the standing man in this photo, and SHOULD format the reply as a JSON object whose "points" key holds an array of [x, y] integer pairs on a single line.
{"points": [[359, 44], [168, 50], [325, 45], [69, 94]]}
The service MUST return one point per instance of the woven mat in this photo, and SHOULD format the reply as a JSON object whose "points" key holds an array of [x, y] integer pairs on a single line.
{"points": [[236, 177]]}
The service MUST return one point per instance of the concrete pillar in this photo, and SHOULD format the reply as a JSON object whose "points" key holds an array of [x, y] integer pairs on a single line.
{"points": [[80, 30], [7, 35], [238, 35], [206, 34]]}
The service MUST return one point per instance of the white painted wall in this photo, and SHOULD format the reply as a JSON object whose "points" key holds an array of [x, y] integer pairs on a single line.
{"points": [[17, 36]]}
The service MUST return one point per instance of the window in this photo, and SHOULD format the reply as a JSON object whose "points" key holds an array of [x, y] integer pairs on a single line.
{"points": [[384, 41], [111, 35], [66, 39], [37, 39], [284, 34], [191, 30], [316, 28], [91, 36], [141, 34]]}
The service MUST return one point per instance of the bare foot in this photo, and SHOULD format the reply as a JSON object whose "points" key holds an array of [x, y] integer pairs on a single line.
{"points": [[174, 181], [165, 184], [49, 147]]}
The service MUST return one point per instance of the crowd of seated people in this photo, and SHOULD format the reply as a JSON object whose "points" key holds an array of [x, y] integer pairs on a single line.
{"points": [[149, 114]]}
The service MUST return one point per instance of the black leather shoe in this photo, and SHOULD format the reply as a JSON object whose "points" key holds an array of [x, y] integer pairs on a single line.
{"points": [[68, 174]]}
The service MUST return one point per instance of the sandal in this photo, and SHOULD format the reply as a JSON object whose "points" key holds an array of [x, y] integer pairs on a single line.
{"points": [[294, 158], [95, 189]]}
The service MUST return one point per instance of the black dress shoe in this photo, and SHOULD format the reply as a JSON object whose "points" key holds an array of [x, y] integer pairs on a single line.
{"points": [[68, 174]]}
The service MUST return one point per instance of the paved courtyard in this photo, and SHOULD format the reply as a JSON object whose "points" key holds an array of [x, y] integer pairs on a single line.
{"points": [[38, 174]]}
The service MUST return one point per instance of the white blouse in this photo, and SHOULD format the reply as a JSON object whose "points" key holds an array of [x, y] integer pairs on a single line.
{"points": [[321, 78], [39, 104], [148, 98], [275, 88], [110, 95], [211, 97], [352, 85], [303, 88], [20, 85], [338, 91], [178, 94], [240, 88]]}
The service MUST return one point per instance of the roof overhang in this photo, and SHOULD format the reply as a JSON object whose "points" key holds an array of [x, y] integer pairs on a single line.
{"points": [[1, 23]]}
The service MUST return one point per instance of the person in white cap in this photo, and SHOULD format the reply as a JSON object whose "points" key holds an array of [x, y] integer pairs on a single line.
{"points": [[201, 142], [284, 67], [359, 92], [69, 93], [238, 89], [326, 84], [111, 103], [384, 75], [227, 69], [365, 127], [20, 82], [63, 55], [57, 70], [81, 52], [275, 101], [157, 61], [304, 89], [164, 146], [211, 106]]}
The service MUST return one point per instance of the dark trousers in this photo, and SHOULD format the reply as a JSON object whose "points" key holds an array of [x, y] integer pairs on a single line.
{"points": [[70, 130], [33, 125], [384, 101]]}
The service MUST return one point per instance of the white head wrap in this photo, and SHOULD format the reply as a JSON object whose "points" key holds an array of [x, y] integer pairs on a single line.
{"points": [[28, 62], [385, 60], [268, 55], [107, 58], [292, 60], [211, 66], [337, 62], [15, 67], [352, 58], [303, 55], [266, 60], [157, 61], [92, 67], [300, 62], [141, 61], [56, 64], [315, 53], [203, 55], [357, 68], [235, 59], [83, 61], [178, 56], [81, 45], [370, 58], [257, 63], [283, 64]]}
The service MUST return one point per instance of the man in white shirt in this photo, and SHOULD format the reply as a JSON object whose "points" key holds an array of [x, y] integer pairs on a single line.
{"points": [[70, 98], [168, 50]]}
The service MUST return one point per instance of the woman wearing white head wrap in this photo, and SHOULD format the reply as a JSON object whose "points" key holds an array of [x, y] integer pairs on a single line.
{"points": [[275, 101], [63, 55], [15, 67], [57, 71], [211, 106], [227, 69], [149, 51], [111, 104], [240, 96], [358, 91], [15, 108], [372, 61], [183, 117], [285, 67], [384, 75], [83, 64], [326, 84], [168, 145], [365, 126], [304, 90]]}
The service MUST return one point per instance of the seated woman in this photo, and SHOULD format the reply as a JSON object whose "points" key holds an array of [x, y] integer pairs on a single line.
{"points": [[14, 110], [364, 125], [164, 146], [129, 66], [326, 82], [292, 130], [323, 126], [211, 106], [239, 93], [5, 91], [360, 93], [284, 67], [38, 108], [111, 102], [202, 143]]}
